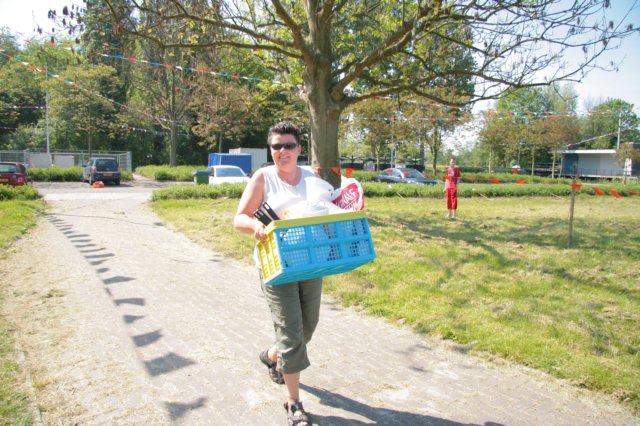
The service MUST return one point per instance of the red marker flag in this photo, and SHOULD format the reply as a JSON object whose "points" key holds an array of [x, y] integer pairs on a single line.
{"points": [[597, 190], [633, 192], [494, 180], [576, 186], [615, 194], [521, 182]]}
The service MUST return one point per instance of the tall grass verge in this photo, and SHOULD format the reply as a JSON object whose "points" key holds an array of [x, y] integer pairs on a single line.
{"points": [[499, 280], [16, 217]]}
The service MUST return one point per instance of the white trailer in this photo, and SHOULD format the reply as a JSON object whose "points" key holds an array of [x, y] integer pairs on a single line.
{"points": [[258, 155]]}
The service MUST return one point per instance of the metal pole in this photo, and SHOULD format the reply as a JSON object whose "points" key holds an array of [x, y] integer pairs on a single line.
{"points": [[619, 122], [46, 104]]}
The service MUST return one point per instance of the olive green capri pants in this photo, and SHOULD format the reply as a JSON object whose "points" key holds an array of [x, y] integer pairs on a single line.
{"points": [[295, 311]]}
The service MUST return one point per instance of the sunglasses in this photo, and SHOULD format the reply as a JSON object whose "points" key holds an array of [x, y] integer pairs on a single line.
{"points": [[288, 146]]}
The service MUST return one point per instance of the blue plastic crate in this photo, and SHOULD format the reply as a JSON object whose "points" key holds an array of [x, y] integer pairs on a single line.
{"points": [[300, 249]]}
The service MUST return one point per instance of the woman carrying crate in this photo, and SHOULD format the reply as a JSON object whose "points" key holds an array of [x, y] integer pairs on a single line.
{"points": [[295, 306]]}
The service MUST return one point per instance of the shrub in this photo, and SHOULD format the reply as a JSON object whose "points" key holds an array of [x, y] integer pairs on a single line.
{"points": [[55, 174], [25, 192], [168, 173], [227, 190], [65, 174]]}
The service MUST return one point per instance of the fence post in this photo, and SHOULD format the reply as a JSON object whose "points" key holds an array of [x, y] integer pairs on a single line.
{"points": [[573, 203]]}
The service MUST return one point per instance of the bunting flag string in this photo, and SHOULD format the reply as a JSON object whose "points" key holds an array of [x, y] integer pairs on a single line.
{"points": [[511, 115], [486, 114], [89, 92], [160, 64], [577, 186], [392, 120], [22, 107]]}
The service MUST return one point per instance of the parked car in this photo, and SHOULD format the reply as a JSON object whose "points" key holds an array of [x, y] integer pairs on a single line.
{"points": [[403, 175], [102, 169], [14, 174], [226, 174]]}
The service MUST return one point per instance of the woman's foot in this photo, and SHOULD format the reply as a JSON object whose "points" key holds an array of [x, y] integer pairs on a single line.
{"points": [[274, 374], [296, 414]]}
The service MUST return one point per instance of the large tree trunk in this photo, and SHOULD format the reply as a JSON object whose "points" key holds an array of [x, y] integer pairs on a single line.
{"points": [[324, 111], [325, 156]]}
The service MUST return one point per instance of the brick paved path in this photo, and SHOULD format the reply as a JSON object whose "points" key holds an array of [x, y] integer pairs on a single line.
{"points": [[145, 327]]}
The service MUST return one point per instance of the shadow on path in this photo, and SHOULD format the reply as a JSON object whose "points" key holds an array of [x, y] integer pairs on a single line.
{"points": [[381, 416]]}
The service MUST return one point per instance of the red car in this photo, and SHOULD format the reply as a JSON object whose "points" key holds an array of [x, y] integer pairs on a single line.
{"points": [[14, 174]]}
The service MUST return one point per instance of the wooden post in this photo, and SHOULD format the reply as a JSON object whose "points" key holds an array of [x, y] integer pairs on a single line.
{"points": [[573, 203]]}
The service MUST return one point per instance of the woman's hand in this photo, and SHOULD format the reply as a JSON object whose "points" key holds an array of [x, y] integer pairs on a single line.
{"points": [[259, 231]]}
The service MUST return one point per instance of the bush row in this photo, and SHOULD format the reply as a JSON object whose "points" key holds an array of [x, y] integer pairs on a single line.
{"points": [[55, 174], [25, 192], [167, 173], [375, 189], [229, 190], [367, 176], [65, 174]]}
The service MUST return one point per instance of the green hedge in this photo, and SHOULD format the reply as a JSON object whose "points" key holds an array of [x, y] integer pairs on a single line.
{"points": [[25, 192], [55, 174], [229, 190], [375, 189], [65, 174], [167, 173]]}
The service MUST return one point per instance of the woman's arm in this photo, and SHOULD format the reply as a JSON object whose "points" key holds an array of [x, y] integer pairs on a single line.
{"points": [[250, 201]]}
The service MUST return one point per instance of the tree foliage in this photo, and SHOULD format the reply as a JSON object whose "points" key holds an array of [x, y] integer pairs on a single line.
{"points": [[340, 52], [608, 122]]}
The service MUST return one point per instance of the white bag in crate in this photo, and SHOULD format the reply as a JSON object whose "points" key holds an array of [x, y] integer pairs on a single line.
{"points": [[350, 196]]}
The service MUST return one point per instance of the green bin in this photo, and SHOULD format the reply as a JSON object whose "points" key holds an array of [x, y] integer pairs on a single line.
{"points": [[201, 177]]}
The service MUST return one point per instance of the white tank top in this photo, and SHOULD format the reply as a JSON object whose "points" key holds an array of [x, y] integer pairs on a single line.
{"points": [[279, 194]]}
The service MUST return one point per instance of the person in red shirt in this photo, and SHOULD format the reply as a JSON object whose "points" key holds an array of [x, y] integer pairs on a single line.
{"points": [[452, 180]]}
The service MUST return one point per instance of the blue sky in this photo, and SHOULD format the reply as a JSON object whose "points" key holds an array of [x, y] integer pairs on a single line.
{"points": [[21, 16]]}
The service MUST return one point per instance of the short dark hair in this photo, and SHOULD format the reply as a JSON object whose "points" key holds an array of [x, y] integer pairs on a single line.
{"points": [[284, 128]]}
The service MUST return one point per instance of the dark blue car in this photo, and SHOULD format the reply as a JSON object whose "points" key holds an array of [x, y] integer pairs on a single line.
{"points": [[403, 175]]}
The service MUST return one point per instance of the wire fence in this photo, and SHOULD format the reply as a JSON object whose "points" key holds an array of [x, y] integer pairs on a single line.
{"points": [[64, 158]]}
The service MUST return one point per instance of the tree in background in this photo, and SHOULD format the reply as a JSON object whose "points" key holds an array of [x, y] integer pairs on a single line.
{"points": [[85, 118], [608, 122], [556, 132], [375, 119], [628, 154], [500, 142], [344, 52], [22, 100], [428, 123], [541, 121]]}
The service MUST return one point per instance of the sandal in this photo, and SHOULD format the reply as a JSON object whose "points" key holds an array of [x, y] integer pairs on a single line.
{"points": [[274, 374], [296, 414]]}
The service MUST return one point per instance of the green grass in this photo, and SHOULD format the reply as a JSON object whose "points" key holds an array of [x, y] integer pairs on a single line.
{"points": [[500, 279], [16, 217]]}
